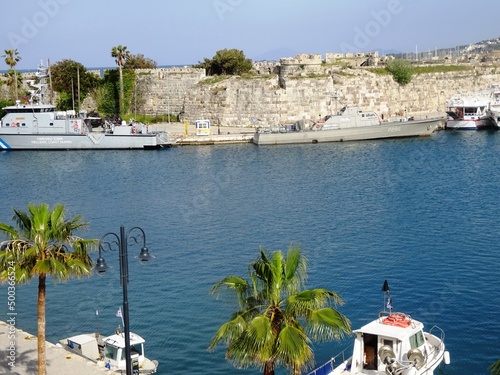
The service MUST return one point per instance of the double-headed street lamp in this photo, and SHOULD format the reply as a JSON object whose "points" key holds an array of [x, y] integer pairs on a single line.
{"points": [[122, 242]]}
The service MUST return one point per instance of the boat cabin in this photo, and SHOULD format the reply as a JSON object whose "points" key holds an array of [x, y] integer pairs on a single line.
{"points": [[114, 350], [390, 341], [350, 117]]}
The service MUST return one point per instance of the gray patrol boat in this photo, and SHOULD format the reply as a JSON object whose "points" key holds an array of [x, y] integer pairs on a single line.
{"points": [[36, 125], [349, 124]]}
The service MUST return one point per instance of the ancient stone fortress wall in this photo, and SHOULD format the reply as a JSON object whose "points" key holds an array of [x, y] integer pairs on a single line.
{"points": [[304, 89]]}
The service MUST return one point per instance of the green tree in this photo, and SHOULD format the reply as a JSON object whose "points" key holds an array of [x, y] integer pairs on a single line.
{"points": [[43, 245], [66, 76], [11, 59], [495, 368], [139, 61], [228, 62], [277, 318], [401, 70], [121, 54]]}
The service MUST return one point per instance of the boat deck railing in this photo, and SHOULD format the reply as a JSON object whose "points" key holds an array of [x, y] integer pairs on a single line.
{"points": [[328, 367], [436, 347]]}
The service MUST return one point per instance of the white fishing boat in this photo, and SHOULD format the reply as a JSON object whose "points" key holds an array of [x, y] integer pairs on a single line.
{"points": [[495, 118], [36, 125], [349, 124], [109, 351], [469, 111], [394, 343], [494, 107]]}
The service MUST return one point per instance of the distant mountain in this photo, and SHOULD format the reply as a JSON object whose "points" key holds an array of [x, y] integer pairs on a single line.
{"points": [[483, 46]]}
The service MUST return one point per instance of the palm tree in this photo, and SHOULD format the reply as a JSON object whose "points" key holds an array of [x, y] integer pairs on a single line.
{"points": [[120, 54], [11, 59], [43, 245], [277, 319], [495, 368]]}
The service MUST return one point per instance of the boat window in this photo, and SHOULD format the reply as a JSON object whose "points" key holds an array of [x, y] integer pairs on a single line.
{"points": [[417, 340], [110, 352], [51, 124], [136, 349], [23, 124]]}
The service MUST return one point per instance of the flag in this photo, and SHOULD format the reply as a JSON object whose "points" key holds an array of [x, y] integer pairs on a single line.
{"points": [[119, 313], [389, 303]]}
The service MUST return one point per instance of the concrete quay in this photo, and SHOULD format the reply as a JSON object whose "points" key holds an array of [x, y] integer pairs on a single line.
{"points": [[218, 135], [23, 355]]}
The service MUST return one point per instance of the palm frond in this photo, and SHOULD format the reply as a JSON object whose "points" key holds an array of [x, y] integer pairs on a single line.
{"points": [[255, 343], [495, 368], [293, 349], [328, 324], [228, 332]]}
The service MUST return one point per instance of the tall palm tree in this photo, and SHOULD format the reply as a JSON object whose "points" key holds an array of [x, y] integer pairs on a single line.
{"points": [[277, 318], [11, 59], [121, 55], [43, 245]]}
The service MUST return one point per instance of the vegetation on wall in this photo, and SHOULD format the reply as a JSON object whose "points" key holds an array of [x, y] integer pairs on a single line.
{"points": [[139, 61], [427, 69], [401, 70], [226, 62], [70, 79]]}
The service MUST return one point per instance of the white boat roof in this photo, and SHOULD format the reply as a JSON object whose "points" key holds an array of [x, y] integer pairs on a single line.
{"points": [[81, 339], [376, 327], [118, 340]]}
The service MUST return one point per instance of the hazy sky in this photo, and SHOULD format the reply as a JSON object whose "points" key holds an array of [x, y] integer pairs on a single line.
{"points": [[184, 32]]}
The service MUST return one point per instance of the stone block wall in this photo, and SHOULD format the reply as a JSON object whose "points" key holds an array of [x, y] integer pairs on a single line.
{"points": [[263, 101]]}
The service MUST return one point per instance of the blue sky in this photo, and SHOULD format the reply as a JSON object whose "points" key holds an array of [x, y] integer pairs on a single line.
{"points": [[184, 32]]}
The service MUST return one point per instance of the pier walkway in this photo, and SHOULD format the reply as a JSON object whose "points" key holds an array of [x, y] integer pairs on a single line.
{"points": [[25, 356]]}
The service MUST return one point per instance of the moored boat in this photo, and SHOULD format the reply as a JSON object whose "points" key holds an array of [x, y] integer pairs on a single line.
{"points": [[36, 125], [349, 124], [494, 107], [394, 343], [495, 118], [109, 351], [469, 111]]}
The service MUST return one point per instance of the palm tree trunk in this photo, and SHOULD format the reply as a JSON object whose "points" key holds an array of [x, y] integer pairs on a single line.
{"points": [[42, 366], [121, 89], [15, 83], [269, 368]]}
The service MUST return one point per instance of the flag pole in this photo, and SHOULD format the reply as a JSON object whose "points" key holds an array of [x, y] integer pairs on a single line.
{"points": [[120, 315], [387, 293]]}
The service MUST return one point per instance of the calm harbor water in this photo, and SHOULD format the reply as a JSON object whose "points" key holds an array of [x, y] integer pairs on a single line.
{"points": [[421, 213]]}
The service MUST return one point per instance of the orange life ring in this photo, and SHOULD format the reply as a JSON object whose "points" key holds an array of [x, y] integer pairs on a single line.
{"points": [[134, 129], [75, 125], [397, 320]]}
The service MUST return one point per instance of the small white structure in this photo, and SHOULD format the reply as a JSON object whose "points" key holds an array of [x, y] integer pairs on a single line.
{"points": [[84, 345], [202, 127]]}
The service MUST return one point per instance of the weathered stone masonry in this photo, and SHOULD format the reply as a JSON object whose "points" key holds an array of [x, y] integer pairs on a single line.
{"points": [[303, 89]]}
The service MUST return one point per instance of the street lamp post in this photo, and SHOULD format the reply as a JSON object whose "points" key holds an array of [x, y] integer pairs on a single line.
{"points": [[121, 242]]}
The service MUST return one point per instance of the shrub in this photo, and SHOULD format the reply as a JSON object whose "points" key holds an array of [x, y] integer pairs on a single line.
{"points": [[401, 70]]}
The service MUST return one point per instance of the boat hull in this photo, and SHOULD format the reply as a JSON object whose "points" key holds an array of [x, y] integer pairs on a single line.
{"points": [[386, 130], [495, 118], [90, 141], [468, 124]]}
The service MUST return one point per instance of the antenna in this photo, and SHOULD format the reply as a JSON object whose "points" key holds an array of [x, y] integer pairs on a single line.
{"points": [[387, 297], [97, 322]]}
